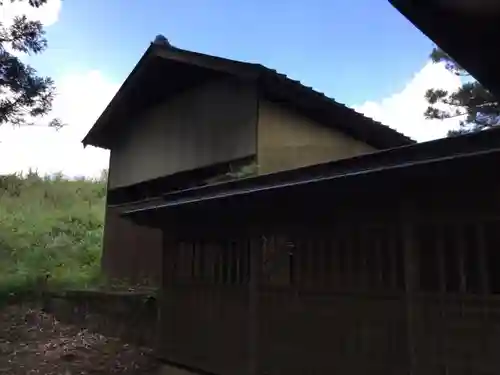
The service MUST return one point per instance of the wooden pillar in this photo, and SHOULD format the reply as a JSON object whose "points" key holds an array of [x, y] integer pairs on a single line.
{"points": [[411, 281], [256, 248]]}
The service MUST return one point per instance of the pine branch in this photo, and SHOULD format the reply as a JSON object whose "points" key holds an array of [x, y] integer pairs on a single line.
{"points": [[24, 95]]}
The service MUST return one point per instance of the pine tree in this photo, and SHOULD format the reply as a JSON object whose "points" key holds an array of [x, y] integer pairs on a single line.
{"points": [[476, 106], [24, 95]]}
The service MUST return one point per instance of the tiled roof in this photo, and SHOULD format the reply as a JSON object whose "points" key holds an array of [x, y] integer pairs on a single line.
{"points": [[405, 139], [305, 99]]}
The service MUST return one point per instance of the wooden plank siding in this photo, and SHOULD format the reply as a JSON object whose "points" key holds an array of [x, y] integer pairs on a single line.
{"points": [[131, 253], [358, 297], [459, 296], [390, 274], [206, 303]]}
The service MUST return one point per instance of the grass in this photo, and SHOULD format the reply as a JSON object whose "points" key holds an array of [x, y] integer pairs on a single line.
{"points": [[50, 229]]}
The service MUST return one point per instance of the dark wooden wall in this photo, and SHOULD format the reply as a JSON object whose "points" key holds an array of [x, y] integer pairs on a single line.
{"points": [[131, 253], [134, 253], [395, 281], [205, 312]]}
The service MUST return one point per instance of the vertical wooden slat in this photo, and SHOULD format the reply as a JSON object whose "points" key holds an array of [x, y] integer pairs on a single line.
{"points": [[325, 261], [223, 243], [302, 264], [331, 261], [292, 250], [319, 260], [483, 270], [188, 250], [359, 260], [315, 256], [354, 255], [440, 336], [219, 259], [349, 278], [209, 261], [309, 255], [237, 261], [374, 261], [180, 261], [168, 261], [379, 259], [267, 243], [256, 246], [194, 260], [458, 240], [229, 267], [459, 233], [411, 283], [440, 250], [338, 250], [297, 262], [364, 252], [272, 258], [393, 249], [482, 257], [247, 260], [200, 262], [331, 271], [388, 259], [165, 300]]}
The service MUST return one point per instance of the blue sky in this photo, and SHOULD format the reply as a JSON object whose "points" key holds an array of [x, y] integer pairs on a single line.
{"points": [[353, 50], [361, 52]]}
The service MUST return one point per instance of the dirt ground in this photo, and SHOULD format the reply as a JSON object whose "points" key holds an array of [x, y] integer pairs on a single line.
{"points": [[33, 342]]}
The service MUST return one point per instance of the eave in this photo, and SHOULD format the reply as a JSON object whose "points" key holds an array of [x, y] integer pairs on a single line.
{"points": [[467, 30]]}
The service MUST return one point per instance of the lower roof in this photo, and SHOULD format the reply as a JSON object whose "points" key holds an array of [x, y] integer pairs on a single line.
{"points": [[408, 158]]}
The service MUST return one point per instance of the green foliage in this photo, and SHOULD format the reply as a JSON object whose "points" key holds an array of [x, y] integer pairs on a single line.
{"points": [[476, 106], [50, 229], [33, 3], [24, 94], [248, 170], [235, 172]]}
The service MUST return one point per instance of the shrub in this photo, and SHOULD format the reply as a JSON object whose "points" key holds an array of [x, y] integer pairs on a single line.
{"points": [[49, 226]]}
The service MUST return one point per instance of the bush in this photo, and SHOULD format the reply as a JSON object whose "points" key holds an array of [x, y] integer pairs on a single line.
{"points": [[49, 227]]}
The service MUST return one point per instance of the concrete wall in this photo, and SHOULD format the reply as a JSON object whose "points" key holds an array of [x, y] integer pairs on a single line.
{"points": [[188, 131], [288, 140]]}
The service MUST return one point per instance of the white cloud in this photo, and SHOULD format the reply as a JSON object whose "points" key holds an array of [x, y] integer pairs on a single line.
{"points": [[82, 96], [81, 99], [47, 14], [404, 110]]}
